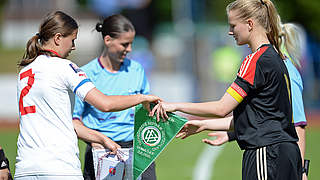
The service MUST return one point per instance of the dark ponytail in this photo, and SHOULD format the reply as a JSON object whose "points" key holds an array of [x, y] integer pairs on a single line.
{"points": [[99, 27], [32, 51], [56, 22]]}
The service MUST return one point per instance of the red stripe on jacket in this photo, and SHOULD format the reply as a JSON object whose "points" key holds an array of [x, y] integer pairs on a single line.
{"points": [[248, 66]]}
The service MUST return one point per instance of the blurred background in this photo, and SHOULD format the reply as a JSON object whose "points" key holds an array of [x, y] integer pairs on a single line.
{"points": [[186, 52]]}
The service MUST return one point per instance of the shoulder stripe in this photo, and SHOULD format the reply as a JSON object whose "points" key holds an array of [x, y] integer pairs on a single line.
{"points": [[248, 66], [80, 84]]}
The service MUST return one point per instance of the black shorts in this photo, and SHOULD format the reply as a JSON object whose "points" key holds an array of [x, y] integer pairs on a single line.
{"points": [[88, 170], [281, 161]]}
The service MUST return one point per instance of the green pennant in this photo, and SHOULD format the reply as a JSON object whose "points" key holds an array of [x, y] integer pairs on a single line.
{"points": [[151, 137]]}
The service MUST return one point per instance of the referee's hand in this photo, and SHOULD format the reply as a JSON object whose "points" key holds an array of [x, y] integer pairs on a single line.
{"points": [[111, 145]]}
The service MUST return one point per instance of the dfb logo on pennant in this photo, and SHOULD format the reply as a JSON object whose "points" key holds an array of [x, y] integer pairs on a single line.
{"points": [[151, 136]]}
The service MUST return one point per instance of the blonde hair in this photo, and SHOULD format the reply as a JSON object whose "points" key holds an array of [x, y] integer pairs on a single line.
{"points": [[265, 13], [293, 40]]}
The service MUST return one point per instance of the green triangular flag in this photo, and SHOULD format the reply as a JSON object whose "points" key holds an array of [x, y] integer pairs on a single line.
{"points": [[151, 137]]}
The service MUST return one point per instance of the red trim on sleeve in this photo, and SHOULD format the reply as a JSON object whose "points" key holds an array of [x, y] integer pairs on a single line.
{"points": [[238, 89], [248, 67]]}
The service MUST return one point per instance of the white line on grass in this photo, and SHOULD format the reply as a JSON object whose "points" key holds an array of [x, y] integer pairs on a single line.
{"points": [[206, 161]]}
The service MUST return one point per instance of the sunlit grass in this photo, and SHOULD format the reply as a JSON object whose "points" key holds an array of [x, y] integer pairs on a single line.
{"points": [[177, 161]]}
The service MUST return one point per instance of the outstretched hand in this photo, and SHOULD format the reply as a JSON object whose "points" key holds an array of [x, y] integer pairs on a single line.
{"points": [[161, 110], [221, 138], [149, 99], [190, 128]]}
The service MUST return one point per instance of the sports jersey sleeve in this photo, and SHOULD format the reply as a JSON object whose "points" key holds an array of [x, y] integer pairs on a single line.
{"points": [[238, 90], [299, 117], [77, 81], [249, 77], [78, 108]]}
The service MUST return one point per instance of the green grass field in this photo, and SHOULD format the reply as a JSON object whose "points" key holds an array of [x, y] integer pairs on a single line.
{"points": [[177, 161], [9, 59]]}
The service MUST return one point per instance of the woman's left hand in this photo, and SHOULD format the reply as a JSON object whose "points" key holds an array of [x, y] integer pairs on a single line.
{"points": [[221, 138], [190, 128], [161, 110]]}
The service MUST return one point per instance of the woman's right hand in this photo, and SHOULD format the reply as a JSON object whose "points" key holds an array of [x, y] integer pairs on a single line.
{"points": [[147, 99], [150, 98], [111, 145]]}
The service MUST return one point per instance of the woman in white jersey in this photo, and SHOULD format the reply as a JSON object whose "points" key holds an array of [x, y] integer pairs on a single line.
{"points": [[47, 143]]}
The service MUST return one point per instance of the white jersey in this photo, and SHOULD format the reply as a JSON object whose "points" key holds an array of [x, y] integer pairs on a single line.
{"points": [[47, 143]]}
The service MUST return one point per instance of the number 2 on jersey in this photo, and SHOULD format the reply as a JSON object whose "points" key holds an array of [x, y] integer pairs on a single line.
{"points": [[28, 109]]}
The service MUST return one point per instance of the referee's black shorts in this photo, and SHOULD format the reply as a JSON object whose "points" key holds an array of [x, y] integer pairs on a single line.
{"points": [[281, 161]]}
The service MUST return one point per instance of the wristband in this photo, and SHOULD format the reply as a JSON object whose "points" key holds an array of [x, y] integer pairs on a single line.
{"points": [[231, 136], [4, 163], [2, 155], [305, 169]]}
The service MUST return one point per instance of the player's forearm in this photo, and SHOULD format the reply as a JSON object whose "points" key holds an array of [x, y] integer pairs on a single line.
{"points": [[302, 140], [206, 109], [216, 109], [87, 134], [113, 103], [222, 124], [118, 103]]}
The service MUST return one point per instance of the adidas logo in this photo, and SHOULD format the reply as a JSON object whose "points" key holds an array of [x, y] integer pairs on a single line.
{"points": [[3, 164]]}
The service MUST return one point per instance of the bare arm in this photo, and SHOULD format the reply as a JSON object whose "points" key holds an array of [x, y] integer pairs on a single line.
{"points": [[301, 131], [219, 108], [116, 103], [196, 126], [221, 124], [92, 136], [302, 140]]}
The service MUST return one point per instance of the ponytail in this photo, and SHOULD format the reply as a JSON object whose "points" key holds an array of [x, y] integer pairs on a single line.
{"points": [[293, 41], [56, 22], [265, 13], [32, 51], [274, 29]]}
